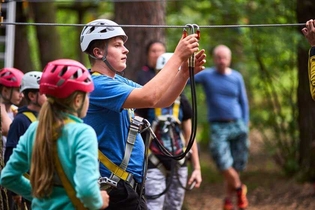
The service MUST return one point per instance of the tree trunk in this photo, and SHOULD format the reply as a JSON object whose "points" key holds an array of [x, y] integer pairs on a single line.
{"points": [[306, 106], [22, 52], [140, 13], [47, 36]]}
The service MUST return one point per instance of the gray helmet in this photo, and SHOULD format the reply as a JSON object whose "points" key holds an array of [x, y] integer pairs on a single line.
{"points": [[98, 30], [162, 60], [30, 80]]}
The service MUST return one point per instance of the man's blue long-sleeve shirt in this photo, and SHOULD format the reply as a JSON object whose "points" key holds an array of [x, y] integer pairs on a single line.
{"points": [[225, 95]]}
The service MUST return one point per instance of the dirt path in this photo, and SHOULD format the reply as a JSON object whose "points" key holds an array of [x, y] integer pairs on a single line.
{"points": [[267, 188]]}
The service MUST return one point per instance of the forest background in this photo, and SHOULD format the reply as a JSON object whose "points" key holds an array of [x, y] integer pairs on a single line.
{"points": [[264, 36]]}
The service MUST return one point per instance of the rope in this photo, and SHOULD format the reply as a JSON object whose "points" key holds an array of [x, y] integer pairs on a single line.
{"points": [[95, 1], [159, 26]]}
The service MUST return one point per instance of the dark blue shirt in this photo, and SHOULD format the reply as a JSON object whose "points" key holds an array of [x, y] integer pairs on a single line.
{"points": [[17, 128]]}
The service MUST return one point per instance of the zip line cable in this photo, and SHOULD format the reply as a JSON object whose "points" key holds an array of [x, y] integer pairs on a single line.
{"points": [[159, 26], [90, 1]]}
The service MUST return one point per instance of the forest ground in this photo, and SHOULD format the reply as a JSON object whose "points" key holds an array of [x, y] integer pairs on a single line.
{"points": [[268, 188]]}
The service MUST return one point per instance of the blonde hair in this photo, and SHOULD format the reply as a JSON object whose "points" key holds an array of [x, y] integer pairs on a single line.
{"points": [[51, 120]]}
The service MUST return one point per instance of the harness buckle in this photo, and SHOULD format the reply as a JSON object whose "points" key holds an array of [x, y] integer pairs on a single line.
{"points": [[137, 121], [107, 181]]}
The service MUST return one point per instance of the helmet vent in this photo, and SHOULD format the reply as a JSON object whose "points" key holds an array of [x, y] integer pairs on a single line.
{"points": [[77, 74], [91, 29], [63, 71], [53, 69], [104, 30]]}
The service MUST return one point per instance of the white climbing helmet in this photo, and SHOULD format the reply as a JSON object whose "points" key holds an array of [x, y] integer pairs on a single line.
{"points": [[98, 30], [30, 80], [162, 59]]}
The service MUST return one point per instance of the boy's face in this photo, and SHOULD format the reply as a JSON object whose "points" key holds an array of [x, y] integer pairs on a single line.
{"points": [[117, 53], [37, 98]]}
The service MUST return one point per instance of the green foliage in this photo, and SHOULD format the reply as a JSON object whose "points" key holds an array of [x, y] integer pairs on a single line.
{"points": [[266, 56]]}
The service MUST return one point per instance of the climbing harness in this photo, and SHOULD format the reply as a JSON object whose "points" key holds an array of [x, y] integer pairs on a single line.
{"points": [[137, 125]]}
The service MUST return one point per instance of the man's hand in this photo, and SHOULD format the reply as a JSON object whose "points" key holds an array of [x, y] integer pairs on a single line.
{"points": [[309, 32]]}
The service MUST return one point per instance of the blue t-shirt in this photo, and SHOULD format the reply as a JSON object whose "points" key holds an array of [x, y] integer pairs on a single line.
{"points": [[225, 94], [111, 122]]}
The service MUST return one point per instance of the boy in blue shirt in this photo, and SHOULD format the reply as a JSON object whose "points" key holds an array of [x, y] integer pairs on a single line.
{"points": [[113, 101]]}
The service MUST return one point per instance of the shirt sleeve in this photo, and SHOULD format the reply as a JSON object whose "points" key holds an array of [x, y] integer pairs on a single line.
{"points": [[111, 93], [243, 100]]}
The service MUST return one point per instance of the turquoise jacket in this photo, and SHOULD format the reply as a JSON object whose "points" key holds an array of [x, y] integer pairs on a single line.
{"points": [[77, 150]]}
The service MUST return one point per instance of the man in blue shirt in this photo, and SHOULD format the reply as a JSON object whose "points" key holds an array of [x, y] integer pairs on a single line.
{"points": [[112, 102], [228, 116]]}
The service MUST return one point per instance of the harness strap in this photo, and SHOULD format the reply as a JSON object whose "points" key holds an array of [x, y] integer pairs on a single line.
{"points": [[30, 116], [157, 163], [175, 111], [64, 179], [119, 172]]}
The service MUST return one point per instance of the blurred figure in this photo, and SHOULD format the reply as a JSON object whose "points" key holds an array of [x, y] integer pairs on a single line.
{"points": [[166, 178], [228, 116], [153, 50], [25, 116], [10, 82]]}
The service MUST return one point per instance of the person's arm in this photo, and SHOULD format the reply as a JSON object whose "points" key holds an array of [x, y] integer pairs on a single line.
{"points": [[244, 101], [196, 173], [309, 33], [5, 121], [163, 89], [17, 128]]}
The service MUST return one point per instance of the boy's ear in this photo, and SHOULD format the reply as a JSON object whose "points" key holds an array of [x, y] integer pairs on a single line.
{"points": [[97, 53]]}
